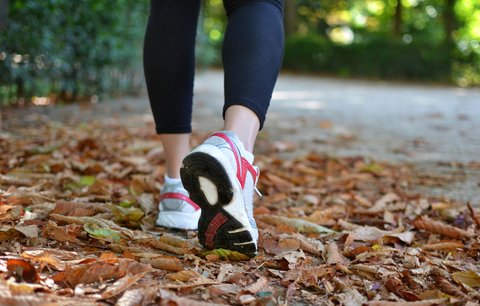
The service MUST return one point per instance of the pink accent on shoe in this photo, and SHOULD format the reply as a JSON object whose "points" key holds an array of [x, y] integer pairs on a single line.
{"points": [[213, 227], [242, 164], [179, 196]]}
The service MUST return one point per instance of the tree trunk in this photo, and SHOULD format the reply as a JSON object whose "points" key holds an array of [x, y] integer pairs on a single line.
{"points": [[290, 17], [3, 13], [449, 20], [3, 23], [397, 25]]}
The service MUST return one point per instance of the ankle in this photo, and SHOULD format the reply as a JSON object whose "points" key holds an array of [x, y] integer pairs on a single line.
{"points": [[172, 180]]}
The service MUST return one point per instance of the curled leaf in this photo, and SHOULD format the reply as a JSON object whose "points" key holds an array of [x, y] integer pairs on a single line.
{"points": [[437, 227], [127, 214], [469, 278], [300, 225], [227, 254], [102, 233], [183, 276], [165, 262]]}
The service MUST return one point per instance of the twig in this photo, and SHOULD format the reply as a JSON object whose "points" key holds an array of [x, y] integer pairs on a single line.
{"points": [[475, 216]]}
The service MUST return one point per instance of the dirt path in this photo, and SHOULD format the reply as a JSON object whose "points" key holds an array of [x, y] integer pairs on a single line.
{"points": [[434, 128]]}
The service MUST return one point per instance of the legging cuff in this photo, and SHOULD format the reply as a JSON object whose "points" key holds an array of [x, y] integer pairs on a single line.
{"points": [[248, 103], [173, 130]]}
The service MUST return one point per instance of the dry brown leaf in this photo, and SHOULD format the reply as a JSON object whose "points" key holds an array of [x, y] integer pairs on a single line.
{"points": [[183, 276], [14, 180], [395, 285], [351, 297], [274, 198], [446, 287], [165, 246], [276, 180], [333, 255], [309, 247], [91, 272], [444, 245], [437, 227], [54, 257], [406, 237], [300, 225], [122, 284], [170, 298], [78, 208], [146, 202], [22, 270], [475, 216], [165, 262], [140, 296], [67, 233], [26, 197], [382, 203], [418, 303], [257, 286], [10, 212], [469, 278], [100, 222]]}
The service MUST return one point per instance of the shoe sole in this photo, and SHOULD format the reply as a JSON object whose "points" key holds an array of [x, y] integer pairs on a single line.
{"points": [[217, 228]]}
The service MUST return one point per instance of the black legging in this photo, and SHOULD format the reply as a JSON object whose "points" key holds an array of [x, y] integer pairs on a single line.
{"points": [[252, 55]]}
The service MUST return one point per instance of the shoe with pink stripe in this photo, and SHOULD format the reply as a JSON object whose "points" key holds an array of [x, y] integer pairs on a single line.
{"points": [[176, 209], [221, 179]]}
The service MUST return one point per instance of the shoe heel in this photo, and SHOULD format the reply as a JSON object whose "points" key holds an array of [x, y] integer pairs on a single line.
{"points": [[199, 166]]}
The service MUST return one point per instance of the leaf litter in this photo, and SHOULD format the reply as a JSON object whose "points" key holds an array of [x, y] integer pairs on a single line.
{"points": [[77, 211]]}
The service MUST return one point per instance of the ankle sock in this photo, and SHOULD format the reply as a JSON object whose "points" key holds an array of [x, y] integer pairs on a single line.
{"points": [[169, 180]]}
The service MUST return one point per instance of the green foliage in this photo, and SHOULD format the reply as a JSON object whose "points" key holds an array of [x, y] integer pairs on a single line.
{"points": [[73, 48], [379, 57]]}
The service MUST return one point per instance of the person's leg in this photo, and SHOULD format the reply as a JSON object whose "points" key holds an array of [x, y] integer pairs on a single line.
{"points": [[219, 174], [252, 56], [244, 123], [169, 71], [169, 65]]}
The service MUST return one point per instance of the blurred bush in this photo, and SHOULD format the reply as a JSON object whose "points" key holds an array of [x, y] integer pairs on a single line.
{"points": [[71, 50], [376, 57], [62, 50]]}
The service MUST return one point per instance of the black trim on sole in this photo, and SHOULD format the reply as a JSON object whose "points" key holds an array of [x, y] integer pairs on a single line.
{"points": [[202, 164]]}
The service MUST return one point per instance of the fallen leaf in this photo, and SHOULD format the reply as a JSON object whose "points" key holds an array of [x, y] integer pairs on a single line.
{"points": [[122, 284], [333, 255], [54, 257], [406, 237], [21, 270], [418, 303], [437, 227], [77, 208], [138, 296], [8, 232], [164, 262], [227, 254], [102, 233], [469, 278], [300, 225], [445, 245], [351, 297], [183, 276], [95, 271]]}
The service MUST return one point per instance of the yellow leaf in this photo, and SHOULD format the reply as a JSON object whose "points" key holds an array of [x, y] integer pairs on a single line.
{"points": [[469, 278], [227, 254]]}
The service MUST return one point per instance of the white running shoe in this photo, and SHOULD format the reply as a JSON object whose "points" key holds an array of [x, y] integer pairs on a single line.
{"points": [[176, 209], [220, 178]]}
